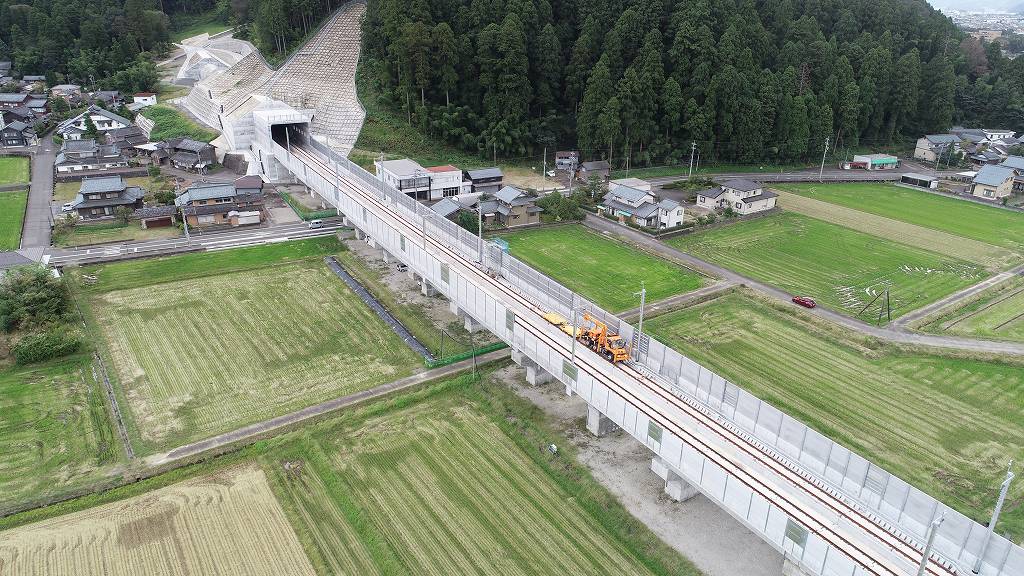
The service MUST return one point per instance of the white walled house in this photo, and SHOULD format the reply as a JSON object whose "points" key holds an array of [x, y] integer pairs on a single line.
{"points": [[104, 120], [640, 206], [426, 184], [993, 182], [743, 196], [144, 99]]}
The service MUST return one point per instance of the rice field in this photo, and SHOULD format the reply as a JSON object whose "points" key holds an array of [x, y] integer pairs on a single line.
{"points": [[987, 224], [54, 432], [229, 523], [997, 313], [893, 228], [440, 489], [603, 270], [14, 170], [198, 357], [945, 424], [839, 267]]}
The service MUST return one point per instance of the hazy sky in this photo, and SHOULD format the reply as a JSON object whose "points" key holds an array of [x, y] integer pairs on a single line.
{"points": [[975, 4]]}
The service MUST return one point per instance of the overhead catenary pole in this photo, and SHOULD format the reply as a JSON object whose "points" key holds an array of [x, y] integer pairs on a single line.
{"points": [[922, 569], [544, 170], [640, 326], [821, 172], [995, 517], [480, 229]]}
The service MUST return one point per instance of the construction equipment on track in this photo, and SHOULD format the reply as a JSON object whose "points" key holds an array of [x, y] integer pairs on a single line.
{"points": [[597, 338]]}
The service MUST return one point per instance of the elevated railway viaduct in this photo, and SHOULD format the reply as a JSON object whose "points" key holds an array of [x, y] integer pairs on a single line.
{"points": [[830, 511]]}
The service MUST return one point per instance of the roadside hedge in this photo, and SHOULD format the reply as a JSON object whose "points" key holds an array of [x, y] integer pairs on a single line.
{"points": [[54, 343]]}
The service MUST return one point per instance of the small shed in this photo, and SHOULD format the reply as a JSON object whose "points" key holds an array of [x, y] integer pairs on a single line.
{"points": [[919, 180], [157, 216]]}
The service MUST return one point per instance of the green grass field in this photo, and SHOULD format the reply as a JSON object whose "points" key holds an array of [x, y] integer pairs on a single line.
{"points": [[172, 123], [603, 270], [137, 273], [55, 435], [839, 267], [997, 313], [86, 234], [945, 424], [14, 170], [198, 357], [189, 26], [962, 218], [12, 214]]}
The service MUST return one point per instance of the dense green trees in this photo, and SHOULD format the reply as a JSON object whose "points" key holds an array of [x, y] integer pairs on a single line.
{"points": [[639, 80], [100, 43]]}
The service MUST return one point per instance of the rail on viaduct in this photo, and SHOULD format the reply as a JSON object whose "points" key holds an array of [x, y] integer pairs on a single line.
{"points": [[828, 510]]}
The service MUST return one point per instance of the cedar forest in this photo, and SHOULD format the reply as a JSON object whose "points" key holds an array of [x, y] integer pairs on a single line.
{"points": [[747, 80]]}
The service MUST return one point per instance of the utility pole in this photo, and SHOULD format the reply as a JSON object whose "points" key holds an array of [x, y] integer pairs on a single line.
{"points": [[480, 229], [544, 173], [995, 517], [928, 547], [821, 173], [693, 150], [572, 172], [640, 327]]}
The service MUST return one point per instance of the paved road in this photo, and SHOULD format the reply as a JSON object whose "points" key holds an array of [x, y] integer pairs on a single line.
{"points": [[38, 217], [890, 334], [219, 240], [262, 429]]}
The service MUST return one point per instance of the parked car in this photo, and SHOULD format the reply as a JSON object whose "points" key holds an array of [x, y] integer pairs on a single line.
{"points": [[67, 207], [804, 301], [316, 224]]}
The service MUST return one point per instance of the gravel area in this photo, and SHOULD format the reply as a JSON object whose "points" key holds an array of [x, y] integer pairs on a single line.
{"points": [[715, 541]]}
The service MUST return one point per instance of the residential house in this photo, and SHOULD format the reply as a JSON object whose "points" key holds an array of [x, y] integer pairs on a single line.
{"points": [[127, 139], [144, 99], [932, 146], [10, 100], [599, 169], [103, 120], [485, 180], [17, 134], [33, 79], [447, 181], [5, 68], [566, 159], [516, 207], [982, 134], [66, 91], [993, 182], [640, 206], [185, 154], [874, 162], [742, 195], [98, 198], [406, 176], [251, 184], [38, 105], [79, 155], [220, 203], [1016, 163], [109, 98], [18, 114]]}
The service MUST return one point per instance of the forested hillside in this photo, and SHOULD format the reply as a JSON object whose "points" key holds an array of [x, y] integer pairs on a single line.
{"points": [[747, 80]]}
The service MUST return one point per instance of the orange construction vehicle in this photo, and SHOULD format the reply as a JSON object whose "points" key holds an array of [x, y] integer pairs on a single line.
{"points": [[598, 339]]}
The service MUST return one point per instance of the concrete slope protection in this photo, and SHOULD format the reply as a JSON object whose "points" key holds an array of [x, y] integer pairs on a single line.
{"points": [[824, 519]]}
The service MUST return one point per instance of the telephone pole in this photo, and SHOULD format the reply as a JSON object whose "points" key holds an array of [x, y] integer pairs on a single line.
{"points": [[693, 150], [544, 174], [821, 173]]}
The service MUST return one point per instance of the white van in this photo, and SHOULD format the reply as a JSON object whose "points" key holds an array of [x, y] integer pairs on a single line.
{"points": [[316, 224]]}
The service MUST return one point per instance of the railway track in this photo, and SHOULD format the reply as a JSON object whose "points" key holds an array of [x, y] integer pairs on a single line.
{"points": [[877, 547]]}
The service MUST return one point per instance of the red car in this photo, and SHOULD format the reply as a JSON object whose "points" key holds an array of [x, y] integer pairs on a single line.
{"points": [[804, 301]]}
